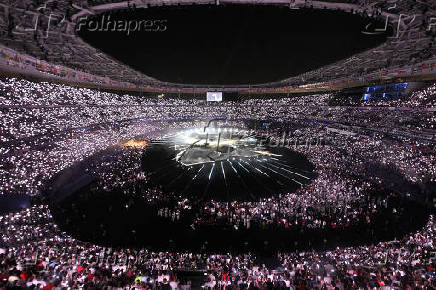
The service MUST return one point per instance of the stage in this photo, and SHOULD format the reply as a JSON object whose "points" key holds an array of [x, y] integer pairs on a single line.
{"points": [[224, 164]]}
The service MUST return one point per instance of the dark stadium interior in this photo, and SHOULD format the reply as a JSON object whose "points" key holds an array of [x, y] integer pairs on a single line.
{"points": [[232, 44]]}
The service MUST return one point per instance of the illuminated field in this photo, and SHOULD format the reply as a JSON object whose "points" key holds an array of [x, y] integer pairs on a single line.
{"points": [[224, 164]]}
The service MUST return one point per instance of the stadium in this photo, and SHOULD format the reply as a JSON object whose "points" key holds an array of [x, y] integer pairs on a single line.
{"points": [[218, 144]]}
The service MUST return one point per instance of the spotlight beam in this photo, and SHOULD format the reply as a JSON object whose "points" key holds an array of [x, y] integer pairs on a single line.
{"points": [[242, 181], [292, 172], [289, 166], [192, 180], [208, 182], [255, 179]]}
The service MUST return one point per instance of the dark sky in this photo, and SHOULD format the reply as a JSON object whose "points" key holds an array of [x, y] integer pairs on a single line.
{"points": [[237, 44]]}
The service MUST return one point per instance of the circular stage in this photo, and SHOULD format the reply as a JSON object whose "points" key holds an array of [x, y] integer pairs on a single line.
{"points": [[224, 164]]}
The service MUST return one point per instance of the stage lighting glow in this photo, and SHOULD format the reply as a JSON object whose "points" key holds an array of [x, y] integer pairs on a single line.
{"points": [[138, 144], [211, 144], [224, 164]]}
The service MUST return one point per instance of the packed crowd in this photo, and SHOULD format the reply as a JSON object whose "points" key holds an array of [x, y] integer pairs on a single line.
{"points": [[338, 197], [47, 128], [46, 148], [34, 253], [31, 109], [421, 98]]}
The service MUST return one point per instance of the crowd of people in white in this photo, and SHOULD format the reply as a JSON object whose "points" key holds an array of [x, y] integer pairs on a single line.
{"points": [[47, 127], [39, 255], [338, 197]]}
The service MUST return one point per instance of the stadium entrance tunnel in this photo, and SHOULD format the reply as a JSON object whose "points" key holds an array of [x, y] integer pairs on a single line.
{"points": [[229, 44]]}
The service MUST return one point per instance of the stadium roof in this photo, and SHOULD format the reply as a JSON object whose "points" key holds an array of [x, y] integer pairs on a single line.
{"points": [[46, 31]]}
